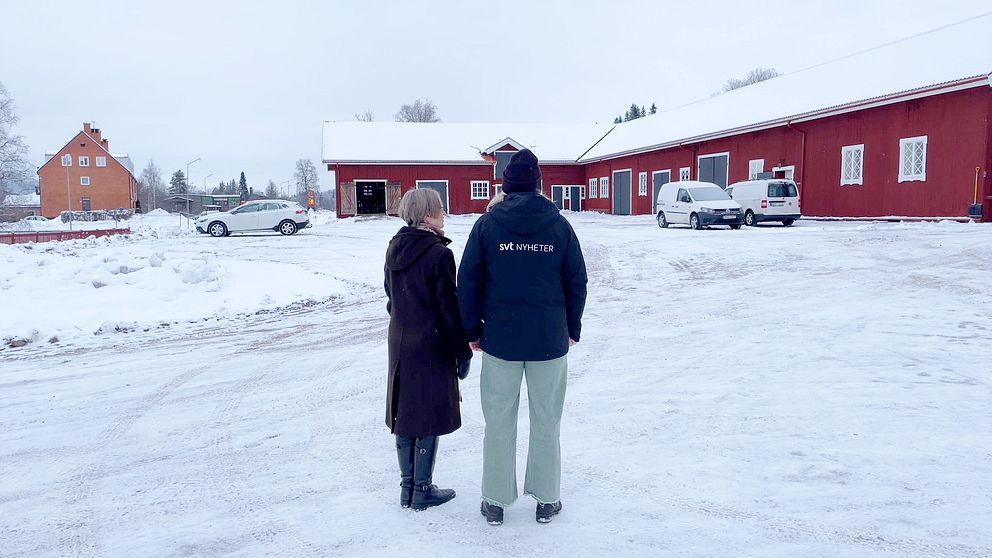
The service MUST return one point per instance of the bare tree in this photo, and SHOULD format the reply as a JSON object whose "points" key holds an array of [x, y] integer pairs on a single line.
{"points": [[422, 110], [14, 165], [754, 76], [271, 191], [151, 187], [306, 180], [366, 116]]}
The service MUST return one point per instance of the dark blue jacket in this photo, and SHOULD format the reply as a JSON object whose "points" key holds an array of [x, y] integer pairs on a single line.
{"points": [[522, 280]]}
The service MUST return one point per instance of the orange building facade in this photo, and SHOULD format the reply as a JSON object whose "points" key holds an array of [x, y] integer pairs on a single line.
{"points": [[85, 176]]}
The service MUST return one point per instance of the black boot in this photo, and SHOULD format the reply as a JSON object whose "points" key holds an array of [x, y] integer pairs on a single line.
{"points": [[404, 452], [426, 494]]}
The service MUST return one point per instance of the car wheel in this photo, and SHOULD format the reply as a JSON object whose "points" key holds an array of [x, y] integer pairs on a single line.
{"points": [[735, 227], [217, 229], [662, 222], [788, 222], [749, 218], [287, 227], [694, 222]]}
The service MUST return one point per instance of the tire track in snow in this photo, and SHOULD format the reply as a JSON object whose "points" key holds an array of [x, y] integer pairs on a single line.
{"points": [[795, 530], [77, 535]]}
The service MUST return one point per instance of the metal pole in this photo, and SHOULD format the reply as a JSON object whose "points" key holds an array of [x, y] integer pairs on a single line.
{"points": [[68, 191]]}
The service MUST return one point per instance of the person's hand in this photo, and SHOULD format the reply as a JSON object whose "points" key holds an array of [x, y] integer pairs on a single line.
{"points": [[571, 342], [463, 368], [475, 345]]}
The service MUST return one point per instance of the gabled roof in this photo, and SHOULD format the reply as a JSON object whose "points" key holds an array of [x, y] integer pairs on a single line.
{"points": [[452, 143], [954, 56], [121, 159]]}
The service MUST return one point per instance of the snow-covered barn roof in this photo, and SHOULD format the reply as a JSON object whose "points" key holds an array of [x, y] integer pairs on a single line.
{"points": [[954, 56], [452, 143]]}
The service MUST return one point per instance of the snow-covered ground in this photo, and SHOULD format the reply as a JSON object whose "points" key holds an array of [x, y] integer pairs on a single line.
{"points": [[821, 390]]}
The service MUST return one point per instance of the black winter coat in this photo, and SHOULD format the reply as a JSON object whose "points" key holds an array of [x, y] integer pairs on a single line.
{"points": [[426, 337], [522, 281]]}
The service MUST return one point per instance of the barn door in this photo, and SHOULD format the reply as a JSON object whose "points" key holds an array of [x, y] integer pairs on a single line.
{"points": [[393, 195], [714, 168], [349, 204], [621, 192]]}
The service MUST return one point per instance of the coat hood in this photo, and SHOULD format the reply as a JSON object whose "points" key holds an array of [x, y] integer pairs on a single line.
{"points": [[525, 213], [409, 245]]}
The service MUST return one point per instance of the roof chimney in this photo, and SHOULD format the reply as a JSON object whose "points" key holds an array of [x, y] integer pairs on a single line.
{"points": [[106, 144], [96, 135], [87, 127]]}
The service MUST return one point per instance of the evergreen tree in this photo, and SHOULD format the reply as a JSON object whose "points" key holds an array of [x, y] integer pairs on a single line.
{"points": [[178, 185], [654, 109], [617, 120], [243, 187]]}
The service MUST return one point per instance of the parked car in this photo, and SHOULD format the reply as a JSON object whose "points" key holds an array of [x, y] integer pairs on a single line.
{"points": [[697, 204], [36, 218], [283, 216], [767, 200]]}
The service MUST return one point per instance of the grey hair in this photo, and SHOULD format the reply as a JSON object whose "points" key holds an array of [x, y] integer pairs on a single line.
{"points": [[419, 204]]}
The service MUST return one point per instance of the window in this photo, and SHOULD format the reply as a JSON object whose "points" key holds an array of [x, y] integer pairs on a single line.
{"points": [[497, 188], [84, 181], [101, 161], [502, 159], [754, 168], [604, 187], [642, 184], [582, 192], [684, 196], [67, 160], [852, 164], [684, 173], [480, 189], [913, 159], [593, 188], [84, 161], [86, 204]]}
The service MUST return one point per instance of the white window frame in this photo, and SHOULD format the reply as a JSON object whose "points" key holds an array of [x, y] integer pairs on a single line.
{"points": [[496, 161], [753, 164], [67, 160], [685, 173], [582, 192], [84, 181], [101, 161], [914, 177], [593, 188], [850, 151], [604, 186], [479, 183], [84, 161], [642, 184]]}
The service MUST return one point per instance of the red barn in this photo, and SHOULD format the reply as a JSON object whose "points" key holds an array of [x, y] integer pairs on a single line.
{"points": [[904, 129]]}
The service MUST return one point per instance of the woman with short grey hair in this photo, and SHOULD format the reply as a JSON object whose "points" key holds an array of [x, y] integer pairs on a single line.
{"points": [[428, 349]]}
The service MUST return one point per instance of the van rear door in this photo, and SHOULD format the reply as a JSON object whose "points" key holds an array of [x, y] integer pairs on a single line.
{"points": [[783, 198]]}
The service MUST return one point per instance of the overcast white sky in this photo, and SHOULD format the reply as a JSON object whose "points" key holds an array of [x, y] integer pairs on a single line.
{"points": [[246, 85]]}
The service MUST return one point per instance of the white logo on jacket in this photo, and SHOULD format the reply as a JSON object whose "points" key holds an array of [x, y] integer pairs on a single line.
{"points": [[520, 247]]}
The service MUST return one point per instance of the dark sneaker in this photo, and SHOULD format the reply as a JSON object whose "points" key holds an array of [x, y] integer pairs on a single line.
{"points": [[545, 512], [492, 513]]}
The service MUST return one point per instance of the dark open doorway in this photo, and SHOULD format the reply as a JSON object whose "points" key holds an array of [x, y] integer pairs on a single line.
{"points": [[370, 198]]}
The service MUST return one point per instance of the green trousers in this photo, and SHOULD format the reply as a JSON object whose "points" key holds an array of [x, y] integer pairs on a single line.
{"points": [[500, 392]]}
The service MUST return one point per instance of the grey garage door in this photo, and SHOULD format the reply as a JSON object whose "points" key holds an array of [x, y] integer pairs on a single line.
{"points": [[659, 179], [621, 193], [439, 186], [714, 169]]}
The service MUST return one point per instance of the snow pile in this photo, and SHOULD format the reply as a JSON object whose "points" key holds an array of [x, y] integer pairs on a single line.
{"points": [[78, 288]]}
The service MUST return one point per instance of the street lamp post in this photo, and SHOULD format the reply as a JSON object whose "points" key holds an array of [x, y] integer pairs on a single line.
{"points": [[205, 183], [281, 184], [187, 183]]}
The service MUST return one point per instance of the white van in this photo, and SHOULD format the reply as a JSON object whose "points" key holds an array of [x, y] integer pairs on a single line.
{"points": [[697, 204], [775, 199]]}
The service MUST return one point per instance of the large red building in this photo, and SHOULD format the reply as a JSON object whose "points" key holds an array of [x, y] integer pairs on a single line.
{"points": [[904, 129], [84, 175]]}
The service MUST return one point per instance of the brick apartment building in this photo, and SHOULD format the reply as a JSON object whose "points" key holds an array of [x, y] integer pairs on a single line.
{"points": [[84, 175]]}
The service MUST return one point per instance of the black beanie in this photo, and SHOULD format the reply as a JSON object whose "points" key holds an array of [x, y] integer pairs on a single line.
{"points": [[522, 173]]}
